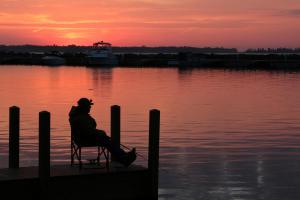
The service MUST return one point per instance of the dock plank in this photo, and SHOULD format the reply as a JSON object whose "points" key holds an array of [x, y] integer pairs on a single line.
{"points": [[65, 170], [68, 182]]}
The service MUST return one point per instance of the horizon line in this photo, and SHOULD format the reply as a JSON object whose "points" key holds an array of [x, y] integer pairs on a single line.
{"points": [[151, 46]]}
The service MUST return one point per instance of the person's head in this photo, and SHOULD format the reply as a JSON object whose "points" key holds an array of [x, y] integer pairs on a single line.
{"points": [[84, 105]]}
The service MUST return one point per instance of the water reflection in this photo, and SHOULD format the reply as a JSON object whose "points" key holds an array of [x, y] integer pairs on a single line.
{"points": [[184, 73], [54, 78], [232, 177], [102, 81], [224, 134]]}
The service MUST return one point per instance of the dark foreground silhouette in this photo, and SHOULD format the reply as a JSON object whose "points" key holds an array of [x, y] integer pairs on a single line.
{"points": [[86, 133]]}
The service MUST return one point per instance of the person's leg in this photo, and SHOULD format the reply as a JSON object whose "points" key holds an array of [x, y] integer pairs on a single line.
{"points": [[125, 158], [103, 140]]}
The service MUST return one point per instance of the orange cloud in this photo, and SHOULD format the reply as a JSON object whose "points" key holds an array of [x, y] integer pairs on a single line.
{"points": [[231, 23]]}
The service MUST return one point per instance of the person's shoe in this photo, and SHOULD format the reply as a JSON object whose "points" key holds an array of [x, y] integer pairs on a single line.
{"points": [[133, 151], [129, 158]]}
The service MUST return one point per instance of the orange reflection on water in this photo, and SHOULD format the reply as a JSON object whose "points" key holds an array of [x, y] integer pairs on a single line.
{"points": [[224, 134]]}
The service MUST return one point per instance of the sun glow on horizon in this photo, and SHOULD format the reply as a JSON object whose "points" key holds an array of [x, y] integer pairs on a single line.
{"points": [[251, 23], [73, 35]]}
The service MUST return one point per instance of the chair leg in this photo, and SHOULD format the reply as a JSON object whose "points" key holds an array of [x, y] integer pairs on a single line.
{"points": [[79, 158], [106, 155], [72, 155], [107, 162], [99, 155], [76, 152]]}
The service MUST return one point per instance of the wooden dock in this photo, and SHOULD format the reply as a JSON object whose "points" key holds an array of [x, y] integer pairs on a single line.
{"points": [[93, 181], [66, 182]]}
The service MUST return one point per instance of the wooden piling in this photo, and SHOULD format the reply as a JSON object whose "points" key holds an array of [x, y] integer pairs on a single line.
{"points": [[115, 126], [134, 182], [44, 153], [153, 151], [14, 136]]}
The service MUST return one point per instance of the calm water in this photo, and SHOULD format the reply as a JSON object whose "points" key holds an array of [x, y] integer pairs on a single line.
{"points": [[224, 134]]}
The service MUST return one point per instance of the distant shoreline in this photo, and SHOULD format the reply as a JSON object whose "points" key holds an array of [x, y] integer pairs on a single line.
{"points": [[288, 61], [115, 49]]}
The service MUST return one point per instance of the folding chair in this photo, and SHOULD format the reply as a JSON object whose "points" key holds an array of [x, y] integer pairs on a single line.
{"points": [[77, 145]]}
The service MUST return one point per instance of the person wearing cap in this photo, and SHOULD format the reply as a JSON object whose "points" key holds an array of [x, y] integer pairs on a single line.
{"points": [[81, 119]]}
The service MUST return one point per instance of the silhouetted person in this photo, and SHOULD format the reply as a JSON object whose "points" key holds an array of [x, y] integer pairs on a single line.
{"points": [[81, 120]]}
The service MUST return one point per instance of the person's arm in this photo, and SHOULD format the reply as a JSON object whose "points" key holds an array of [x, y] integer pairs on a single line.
{"points": [[86, 125], [93, 121]]}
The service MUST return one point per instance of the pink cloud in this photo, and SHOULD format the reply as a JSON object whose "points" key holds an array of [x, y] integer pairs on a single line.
{"points": [[231, 23]]}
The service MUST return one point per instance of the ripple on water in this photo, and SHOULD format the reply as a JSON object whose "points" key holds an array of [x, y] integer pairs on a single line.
{"points": [[224, 134]]}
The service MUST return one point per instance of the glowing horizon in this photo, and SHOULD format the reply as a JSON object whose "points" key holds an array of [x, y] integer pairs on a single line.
{"points": [[198, 23]]}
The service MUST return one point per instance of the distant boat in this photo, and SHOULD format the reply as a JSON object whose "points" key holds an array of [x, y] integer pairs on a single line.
{"points": [[53, 60], [101, 55], [173, 62]]}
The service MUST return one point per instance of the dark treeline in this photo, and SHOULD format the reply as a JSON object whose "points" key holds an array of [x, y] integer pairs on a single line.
{"points": [[183, 57], [171, 49], [274, 50], [137, 49]]}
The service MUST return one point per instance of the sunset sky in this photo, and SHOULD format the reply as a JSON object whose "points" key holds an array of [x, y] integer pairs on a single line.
{"points": [[228, 23]]}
